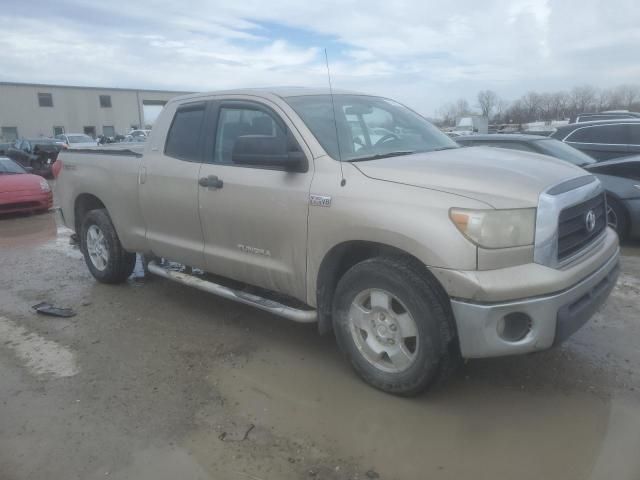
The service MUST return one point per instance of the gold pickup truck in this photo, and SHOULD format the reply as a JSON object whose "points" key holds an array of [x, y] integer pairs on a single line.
{"points": [[354, 212]]}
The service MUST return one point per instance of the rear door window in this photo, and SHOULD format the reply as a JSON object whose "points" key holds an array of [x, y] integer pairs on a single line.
{"points": [[606, 134], [183, 139], [634, 134]]}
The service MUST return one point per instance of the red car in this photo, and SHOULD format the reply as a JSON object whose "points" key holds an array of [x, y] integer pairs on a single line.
{"points": [[21, 191]]}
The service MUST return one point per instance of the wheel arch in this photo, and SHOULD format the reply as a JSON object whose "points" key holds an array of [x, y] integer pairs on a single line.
{"points": [[341, 257], [84, 203], [619, 202]]}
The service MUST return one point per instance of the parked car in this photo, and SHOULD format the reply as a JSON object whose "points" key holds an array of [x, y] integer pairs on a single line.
{"points": [[4, 148], [137, 136], [20, 191], [414, 251], [37, 154], [620, 178], [454, 134], [77, 140], [608, 115], [603, 139]]}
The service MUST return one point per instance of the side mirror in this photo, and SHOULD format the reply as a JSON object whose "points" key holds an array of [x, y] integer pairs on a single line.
{"points": [[266, 151]]}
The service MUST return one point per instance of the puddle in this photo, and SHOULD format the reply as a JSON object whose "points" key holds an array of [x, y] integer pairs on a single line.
{"points": [[24, 231], [467, 430], [156, 464]]}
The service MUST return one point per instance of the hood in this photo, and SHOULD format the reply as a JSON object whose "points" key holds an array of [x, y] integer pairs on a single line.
{"points": [[499, 177], [19, 182]]}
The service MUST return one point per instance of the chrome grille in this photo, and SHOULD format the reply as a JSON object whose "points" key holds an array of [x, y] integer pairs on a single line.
{"points": [[573, 234]]}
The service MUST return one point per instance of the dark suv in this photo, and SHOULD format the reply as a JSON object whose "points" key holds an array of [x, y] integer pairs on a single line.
{"points": [[603, 139], [611, 115]]}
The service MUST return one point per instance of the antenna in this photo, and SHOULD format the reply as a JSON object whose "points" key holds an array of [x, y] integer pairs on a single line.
{"points": [[343, 182]]}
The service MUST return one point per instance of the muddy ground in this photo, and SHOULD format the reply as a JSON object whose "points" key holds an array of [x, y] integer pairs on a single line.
{"points": [[153, 380]]}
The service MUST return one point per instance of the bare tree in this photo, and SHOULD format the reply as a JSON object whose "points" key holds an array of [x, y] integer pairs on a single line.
{"points": [[501, 109], [628, 95], [447, 113], [487, 102], [582, 98], [532, 103], [517, 112], [547, 105], [561, 105], [462, 108], [604, 99]]}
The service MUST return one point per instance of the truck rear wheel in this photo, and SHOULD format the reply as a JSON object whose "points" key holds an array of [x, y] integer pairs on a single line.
{"points": [[392, 325], [108, 262]]}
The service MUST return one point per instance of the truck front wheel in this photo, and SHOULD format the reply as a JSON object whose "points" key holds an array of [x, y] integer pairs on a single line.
{"points": [[392, 325], [108, 262]]}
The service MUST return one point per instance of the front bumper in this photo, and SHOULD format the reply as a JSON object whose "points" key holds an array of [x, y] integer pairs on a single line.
{"points": [[553, 317], [14, 202]]}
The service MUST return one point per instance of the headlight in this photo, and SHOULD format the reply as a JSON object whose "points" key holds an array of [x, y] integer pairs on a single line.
{"points": [[44, 185], [496, 228]]}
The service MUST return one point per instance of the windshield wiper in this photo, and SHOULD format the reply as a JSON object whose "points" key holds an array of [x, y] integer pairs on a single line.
{"points": [[383, 155]]}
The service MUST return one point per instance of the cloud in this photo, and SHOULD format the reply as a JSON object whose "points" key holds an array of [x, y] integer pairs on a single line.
{"points": [[422, 52]]}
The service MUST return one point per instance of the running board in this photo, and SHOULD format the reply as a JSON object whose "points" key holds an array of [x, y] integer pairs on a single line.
{"points": [[297, 315]]}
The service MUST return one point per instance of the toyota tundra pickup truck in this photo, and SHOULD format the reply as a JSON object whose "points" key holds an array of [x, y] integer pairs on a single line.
{"points": [[354, 212]]}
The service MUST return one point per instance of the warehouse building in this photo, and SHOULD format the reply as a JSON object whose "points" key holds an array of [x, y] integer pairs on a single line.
{"points": [[35, 110]]}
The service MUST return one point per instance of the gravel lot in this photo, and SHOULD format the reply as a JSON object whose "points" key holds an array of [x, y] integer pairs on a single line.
{"points": [[153, 380]]}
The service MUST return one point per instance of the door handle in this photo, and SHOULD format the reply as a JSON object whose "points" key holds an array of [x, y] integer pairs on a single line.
{"points": [[211, 181]]}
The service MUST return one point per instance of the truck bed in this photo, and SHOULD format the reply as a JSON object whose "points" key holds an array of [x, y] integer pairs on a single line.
{"points": [[109, 174]]}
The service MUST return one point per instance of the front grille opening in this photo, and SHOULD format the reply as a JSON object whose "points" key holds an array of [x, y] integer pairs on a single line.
{"points": [[573, 232]]}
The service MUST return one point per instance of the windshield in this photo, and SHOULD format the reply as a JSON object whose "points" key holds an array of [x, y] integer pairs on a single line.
{"points": [[8, 166], [558, 149], [80, 139], [367, 127]]}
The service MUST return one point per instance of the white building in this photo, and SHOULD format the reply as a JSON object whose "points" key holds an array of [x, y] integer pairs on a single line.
{"points": [[35, 110]]}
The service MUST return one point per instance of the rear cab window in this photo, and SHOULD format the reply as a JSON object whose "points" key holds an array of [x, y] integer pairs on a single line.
{"points": [[183, 139]]}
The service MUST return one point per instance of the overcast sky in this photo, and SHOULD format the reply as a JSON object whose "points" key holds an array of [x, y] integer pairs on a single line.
{"points": [[421, 52]]}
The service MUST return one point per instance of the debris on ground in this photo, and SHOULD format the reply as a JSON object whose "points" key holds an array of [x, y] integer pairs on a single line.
{"points": [[46, 308]]}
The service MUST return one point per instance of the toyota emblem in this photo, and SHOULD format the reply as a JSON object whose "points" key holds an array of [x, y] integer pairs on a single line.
{"points": [[590, 221]]}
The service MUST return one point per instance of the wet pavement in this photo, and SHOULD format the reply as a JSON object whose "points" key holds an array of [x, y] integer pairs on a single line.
{"points": [[153, 380]]}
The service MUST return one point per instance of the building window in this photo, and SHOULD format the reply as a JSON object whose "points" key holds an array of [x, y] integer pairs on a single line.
{"points": [[58, 131], [105, 101], [91, 131], [108, 131], [45, 100], [9, 134]]}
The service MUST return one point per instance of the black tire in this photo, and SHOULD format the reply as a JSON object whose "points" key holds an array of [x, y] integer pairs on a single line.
{"points": [[619, 213], [120, 263], [436, 356]]}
